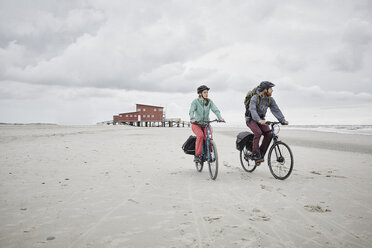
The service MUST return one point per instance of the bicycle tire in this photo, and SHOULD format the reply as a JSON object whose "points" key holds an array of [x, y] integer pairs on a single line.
{"points": [[199, 166], [248, 167], [283, 163], [213, 161]]}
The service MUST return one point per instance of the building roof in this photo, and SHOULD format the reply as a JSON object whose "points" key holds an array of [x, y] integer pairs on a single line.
{"points": [[149, 105], [128, 113]]}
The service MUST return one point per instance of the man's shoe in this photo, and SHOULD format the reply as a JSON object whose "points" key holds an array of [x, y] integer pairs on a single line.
{"points": [[257, 158]]}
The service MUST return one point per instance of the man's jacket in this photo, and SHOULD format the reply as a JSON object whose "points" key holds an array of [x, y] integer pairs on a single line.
{"points": [[258, 112]]}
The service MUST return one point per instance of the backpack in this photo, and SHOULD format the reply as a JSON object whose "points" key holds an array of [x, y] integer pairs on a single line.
{"points": [[244, 139], [189, 146], [248, 98]]}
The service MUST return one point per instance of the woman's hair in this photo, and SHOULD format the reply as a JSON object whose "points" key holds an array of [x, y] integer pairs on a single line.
{"points": [[207, 100]]}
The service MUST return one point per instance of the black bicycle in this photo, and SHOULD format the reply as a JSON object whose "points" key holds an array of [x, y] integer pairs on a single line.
{"points": [[279, 159], [209, 152]]}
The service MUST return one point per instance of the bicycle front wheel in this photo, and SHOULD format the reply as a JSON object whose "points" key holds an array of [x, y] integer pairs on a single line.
{"points": [[248, 166], [280, 160], [199, 166], [213, 160]]}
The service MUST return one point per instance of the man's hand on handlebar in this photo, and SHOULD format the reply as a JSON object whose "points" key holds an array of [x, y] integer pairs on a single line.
{"points": [[262, 122], [273, 123]]}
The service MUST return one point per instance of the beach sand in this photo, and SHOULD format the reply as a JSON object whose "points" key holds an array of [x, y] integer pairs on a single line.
{"points": [[120, 186]]}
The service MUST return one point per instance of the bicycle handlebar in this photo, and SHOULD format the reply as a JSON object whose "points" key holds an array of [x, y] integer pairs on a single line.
{"points": [[207, 122], [273, 122]]}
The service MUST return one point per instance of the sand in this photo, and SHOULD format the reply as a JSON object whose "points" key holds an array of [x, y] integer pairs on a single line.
{"points": [[120, 186]]}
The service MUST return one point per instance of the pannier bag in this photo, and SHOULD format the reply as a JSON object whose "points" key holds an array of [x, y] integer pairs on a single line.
{"points": [[244, 139], [189, 146]]}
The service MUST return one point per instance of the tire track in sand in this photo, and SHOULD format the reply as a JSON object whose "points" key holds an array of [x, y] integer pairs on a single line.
{"points": [[83, 237]]}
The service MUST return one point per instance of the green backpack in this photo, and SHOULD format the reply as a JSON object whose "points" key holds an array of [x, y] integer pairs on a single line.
{"points": [[247, 100]]}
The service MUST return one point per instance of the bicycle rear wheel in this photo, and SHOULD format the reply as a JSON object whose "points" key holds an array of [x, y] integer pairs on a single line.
{"points": [[280, 160], [248, 166], [213, 160]]}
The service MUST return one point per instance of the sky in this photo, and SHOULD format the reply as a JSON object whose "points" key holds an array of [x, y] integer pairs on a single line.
{"points": [[82, 61]]}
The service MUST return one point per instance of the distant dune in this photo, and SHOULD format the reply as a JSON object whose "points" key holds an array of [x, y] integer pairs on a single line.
{"points": [[4, 123]]}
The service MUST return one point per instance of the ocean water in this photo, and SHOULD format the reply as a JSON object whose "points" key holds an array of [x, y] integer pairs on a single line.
{"points": [[347, 129]]}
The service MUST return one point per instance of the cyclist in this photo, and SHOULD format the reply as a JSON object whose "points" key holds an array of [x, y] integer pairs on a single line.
{"points": [[256, 118], [199, 111]]}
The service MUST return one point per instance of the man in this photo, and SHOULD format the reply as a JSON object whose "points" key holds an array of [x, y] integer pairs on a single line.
{"points": [[255, 119]]}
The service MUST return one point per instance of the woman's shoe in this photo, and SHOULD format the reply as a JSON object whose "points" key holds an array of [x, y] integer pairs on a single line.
{"points": [[197, 158]]}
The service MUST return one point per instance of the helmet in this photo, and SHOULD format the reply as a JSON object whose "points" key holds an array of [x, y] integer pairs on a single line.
{"points": [[265, 85], [202, 88]]}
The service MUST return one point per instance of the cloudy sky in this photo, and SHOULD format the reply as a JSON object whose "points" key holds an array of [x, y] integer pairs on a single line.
{"points": [[81, 62]]}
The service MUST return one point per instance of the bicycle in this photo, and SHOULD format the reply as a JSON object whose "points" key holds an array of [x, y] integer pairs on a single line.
{"points": [[209, 152], [279, 159]]}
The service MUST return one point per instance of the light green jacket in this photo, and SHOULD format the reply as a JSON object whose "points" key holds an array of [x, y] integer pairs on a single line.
{"points": [[200, 112]]}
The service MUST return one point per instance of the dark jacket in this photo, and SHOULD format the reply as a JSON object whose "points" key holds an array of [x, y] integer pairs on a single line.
{"points": [[258, 112]]}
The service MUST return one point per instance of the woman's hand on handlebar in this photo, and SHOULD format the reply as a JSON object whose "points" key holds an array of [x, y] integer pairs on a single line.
{"points": [[222, 120], [192, 121]]}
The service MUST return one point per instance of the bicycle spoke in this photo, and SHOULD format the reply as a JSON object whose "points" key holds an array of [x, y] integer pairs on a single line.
{"points": [[280, 160], [247, 164]]}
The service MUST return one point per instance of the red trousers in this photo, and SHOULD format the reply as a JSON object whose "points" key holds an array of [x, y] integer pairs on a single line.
{"points": [[259, 130], [201, 133]]}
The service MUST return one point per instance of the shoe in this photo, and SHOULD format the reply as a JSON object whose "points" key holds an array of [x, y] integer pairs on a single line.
{"points": [[197, 158], [257, 158]]}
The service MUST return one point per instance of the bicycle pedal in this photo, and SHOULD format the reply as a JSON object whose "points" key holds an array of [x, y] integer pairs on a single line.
{"points": [[258, 162]]}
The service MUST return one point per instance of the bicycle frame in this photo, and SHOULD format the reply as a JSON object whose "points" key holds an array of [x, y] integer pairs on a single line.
{"points": [[206, 155], [274, 139], [206, 144]]}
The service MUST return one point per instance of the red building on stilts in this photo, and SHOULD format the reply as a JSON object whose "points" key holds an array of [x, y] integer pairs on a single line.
{"points": [[146, 115]]}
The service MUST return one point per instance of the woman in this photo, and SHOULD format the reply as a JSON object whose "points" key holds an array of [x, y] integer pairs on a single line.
{"points": [[199, 112]]}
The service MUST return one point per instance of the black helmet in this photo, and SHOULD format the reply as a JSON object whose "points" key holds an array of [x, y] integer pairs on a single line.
{"points": [[201, 88], [266, 85]]}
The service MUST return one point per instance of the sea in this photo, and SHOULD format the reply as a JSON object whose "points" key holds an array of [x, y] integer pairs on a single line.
{"points": [[345, 129]]}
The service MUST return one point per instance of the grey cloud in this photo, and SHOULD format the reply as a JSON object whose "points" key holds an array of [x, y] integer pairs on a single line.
{"points": [[290, 62], [118, 60], [45, 28], [296, 95], [10, 90], [357, 38], [136, 39], [173, 45]]}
